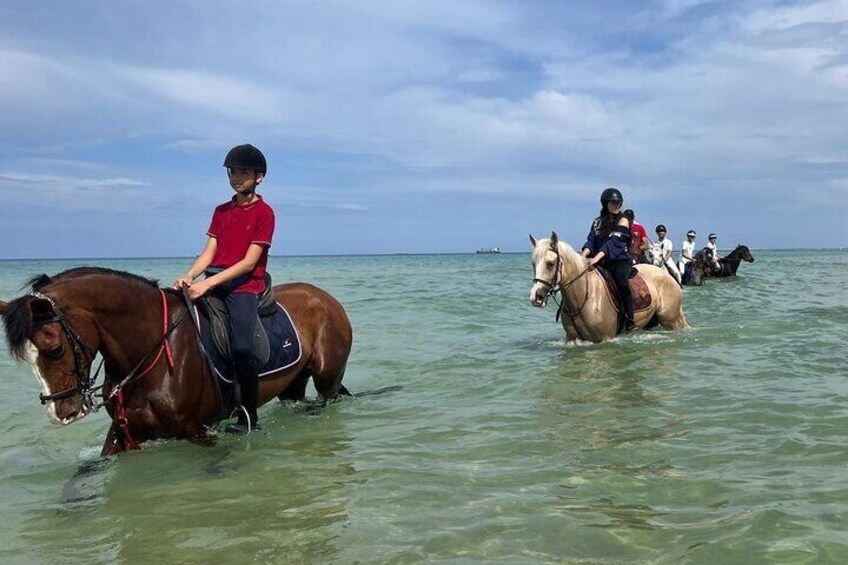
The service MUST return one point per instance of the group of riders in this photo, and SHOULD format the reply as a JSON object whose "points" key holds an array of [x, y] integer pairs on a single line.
{"points": [[617, 241], [660, 252]]}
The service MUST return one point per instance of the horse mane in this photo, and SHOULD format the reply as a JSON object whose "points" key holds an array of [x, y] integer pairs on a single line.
{"points": [[568, 251], [17, 320], [40, 281], [18, 316]]}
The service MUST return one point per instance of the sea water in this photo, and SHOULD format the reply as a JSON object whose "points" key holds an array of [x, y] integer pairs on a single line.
{"points": [[727, 443]]}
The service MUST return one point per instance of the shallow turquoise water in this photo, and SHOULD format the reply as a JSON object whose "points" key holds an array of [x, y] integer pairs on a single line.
{"points": [[723, 444]]}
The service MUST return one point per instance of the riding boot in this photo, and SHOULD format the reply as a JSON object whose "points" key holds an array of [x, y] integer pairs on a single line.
{"points": [[629, 325], [248, 397]]}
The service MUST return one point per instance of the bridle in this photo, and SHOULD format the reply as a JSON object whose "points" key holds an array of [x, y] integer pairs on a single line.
{"points": [[556, 285], [552, 285], [85, 381], [81, 371]]}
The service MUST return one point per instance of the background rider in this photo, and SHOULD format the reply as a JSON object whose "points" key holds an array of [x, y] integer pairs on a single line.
{"points": [[687, 253], [663, 249]]}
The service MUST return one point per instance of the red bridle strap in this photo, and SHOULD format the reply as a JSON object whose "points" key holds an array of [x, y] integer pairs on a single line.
{"points": [[120, 407]]}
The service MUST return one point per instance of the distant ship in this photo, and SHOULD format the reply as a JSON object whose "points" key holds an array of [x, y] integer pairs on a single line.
{"points": [[489, 250]]}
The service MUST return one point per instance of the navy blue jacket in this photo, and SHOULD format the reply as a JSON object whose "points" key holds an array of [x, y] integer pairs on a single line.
{"points": [[614, 246]]}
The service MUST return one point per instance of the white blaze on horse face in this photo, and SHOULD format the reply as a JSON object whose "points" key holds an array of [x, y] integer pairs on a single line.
{"points": [[539, 292], [32, 361]]}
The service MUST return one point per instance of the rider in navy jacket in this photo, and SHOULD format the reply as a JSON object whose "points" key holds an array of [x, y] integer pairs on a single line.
{"points": [[607, 243], [614, 245]]}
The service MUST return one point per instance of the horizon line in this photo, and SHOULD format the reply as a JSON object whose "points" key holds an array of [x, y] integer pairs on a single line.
{"points": [[391, 254]]}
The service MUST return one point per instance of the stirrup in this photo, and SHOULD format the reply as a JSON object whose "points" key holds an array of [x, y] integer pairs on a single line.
{"points": [[245, 424]]}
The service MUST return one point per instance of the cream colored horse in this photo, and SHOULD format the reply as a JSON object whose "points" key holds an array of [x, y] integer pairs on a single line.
{"points": [[588, 312]]}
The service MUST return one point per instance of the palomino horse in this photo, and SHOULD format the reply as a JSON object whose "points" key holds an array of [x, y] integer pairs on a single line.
{"points": [[156, 384], [730, 264], [588, 310]]}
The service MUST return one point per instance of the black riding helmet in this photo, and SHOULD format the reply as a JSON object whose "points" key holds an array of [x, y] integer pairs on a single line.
{"points": [[611, 195], [246, 157], [660, 228]]}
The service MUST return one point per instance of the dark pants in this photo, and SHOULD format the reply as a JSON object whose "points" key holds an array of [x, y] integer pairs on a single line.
{"points": [[243, 308], [686, 275], [620, 271]]}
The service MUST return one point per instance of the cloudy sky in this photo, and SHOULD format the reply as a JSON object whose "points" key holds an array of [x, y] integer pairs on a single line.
{"points": [[421, 126]]}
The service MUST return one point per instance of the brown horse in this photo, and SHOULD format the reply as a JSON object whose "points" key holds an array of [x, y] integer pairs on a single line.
{"points": [[156, 382], [589, 312]]}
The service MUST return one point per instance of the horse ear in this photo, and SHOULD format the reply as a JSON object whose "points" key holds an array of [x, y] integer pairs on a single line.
{"points": [[532, 240], [554, 238], [2, 307]]}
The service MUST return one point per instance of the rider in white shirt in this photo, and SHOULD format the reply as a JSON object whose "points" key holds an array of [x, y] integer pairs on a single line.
{"points": [[663, 247], [687, 252], [712, 245]]}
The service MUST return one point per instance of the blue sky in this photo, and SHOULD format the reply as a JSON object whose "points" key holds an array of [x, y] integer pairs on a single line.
{"points": [[421, 126]]}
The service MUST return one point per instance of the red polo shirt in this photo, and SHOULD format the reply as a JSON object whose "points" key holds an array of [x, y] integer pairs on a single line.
{"points": [[638, 235], [235, 228]]}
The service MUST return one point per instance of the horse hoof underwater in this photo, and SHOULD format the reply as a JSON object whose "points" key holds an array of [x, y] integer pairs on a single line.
{"points": [[157, 382], [589, 310]]}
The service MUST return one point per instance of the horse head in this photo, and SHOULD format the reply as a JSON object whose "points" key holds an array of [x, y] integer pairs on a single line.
{"points": [[653, 257], [552, 260], [59, 344], [546, 269], [706, 258], [745, 253]]}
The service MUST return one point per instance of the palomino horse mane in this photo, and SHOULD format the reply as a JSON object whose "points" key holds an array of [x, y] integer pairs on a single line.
{"points": [[569, 255]]}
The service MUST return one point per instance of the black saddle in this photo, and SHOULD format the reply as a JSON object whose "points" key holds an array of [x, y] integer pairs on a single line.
{"points": [[215, 310]]}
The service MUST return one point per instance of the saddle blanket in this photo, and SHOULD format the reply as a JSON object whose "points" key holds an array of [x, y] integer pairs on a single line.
{"points": [[638, 288], [283, 343]]}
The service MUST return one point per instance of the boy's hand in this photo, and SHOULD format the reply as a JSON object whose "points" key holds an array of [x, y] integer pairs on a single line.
{"points": [[195, 291], [181, 282]]}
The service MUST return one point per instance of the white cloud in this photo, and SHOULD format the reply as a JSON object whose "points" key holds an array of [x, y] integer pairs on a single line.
{"points": [[74, 193], [477, 97]]}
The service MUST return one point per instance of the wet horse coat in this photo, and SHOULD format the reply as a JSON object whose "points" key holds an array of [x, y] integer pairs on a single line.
{"points": [[156, 383]]}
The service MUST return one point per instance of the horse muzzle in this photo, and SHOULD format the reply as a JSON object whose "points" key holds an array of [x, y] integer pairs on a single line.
{"points": [[67, 411], [539, 297]]}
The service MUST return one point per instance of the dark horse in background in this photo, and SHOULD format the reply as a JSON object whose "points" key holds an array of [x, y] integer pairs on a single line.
{"points": [[728, 265], [702, 262], [157, 383]]}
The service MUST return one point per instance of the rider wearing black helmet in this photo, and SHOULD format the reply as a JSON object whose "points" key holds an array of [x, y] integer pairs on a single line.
{"points": [[234, 261], [607, 242]]}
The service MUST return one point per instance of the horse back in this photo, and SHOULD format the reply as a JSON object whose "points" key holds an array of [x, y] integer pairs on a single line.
{"points": [[313, 310]]}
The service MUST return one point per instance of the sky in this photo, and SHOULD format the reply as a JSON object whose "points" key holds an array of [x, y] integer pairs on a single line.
{"points": [[421, 126]]}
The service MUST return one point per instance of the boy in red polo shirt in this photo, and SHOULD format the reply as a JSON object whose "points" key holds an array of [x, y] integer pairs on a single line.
{"points": [[639, 241], [234, 261]]}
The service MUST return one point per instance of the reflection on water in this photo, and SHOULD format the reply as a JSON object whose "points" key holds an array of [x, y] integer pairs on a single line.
{"points": [[281, 493]]}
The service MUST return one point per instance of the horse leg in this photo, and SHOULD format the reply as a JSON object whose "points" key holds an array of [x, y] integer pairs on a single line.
{"points": [[114, 443], [571, 335], [297, 389], [327, 376]]}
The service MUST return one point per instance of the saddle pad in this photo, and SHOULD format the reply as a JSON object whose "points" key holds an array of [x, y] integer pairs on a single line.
{"points": [[638, 288], [283, 341]]}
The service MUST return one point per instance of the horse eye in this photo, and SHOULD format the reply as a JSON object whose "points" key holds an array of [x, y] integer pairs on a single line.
{"points": [[549, 263], [56, 353]]}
